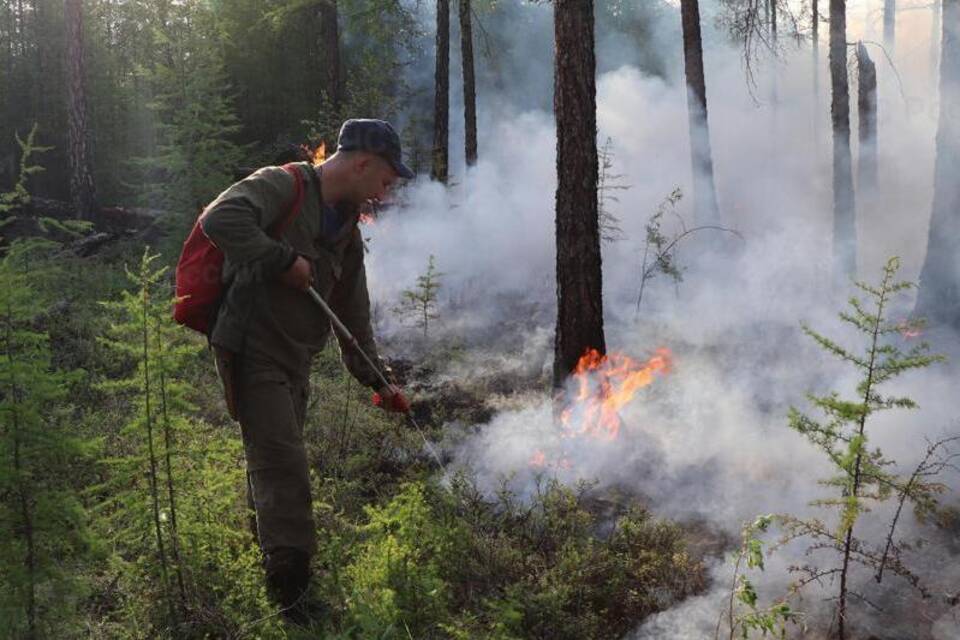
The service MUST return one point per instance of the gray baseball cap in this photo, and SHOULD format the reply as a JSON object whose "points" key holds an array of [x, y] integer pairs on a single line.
{"points": [[375, 136]]}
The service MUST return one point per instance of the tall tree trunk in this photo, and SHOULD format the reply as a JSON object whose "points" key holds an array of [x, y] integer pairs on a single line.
{"points": [[774, 85], [773, 22], [704, 191], [579, 274], [890, 26], [939, 296], [81, 178], [469, 84], [844, 222], [867, 111], [815, 36], [41, 92], [441, 105], [330, 46]]}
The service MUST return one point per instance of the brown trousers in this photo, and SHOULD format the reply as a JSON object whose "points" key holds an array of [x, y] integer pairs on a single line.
{"points": [[271, 409]]}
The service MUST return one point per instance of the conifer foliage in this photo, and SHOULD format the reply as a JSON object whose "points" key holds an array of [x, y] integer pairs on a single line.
{"points": [[864, 476], [195, 155], [168, 504], [144, 513], [420, 302], [42, 524], [19, 196]]}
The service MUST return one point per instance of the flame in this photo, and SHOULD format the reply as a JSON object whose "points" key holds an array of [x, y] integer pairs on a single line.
{"points": [[604, 385], [367, 217], [910, 329], [320, 153], [538, 459]]}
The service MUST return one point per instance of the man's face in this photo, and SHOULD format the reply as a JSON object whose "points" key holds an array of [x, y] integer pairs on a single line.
{"points": [[374, 179]]}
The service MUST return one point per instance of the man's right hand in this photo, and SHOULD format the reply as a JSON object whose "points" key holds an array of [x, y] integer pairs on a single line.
{"points": [[299, 275], [391, 399]]}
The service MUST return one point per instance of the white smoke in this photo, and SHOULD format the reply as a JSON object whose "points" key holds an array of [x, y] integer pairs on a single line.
{"points": [[708, 440]]}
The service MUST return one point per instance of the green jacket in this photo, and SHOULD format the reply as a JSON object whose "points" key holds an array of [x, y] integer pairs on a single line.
{"points": [[260, 315]]}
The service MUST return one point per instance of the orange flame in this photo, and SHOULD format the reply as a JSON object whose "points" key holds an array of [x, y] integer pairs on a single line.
{"points": [[605, 384], [910, 329], [538, 459], [320, 153]]}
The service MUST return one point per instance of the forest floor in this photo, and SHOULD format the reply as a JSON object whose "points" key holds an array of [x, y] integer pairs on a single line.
{"points": [[413, 541]]}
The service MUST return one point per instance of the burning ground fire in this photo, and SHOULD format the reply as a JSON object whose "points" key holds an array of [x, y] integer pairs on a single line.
{"points": [[603, 384]]}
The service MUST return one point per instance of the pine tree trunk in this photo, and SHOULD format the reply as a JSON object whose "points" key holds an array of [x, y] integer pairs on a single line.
{"points": [[469, 84], [775, 156], [330, 46], [81, 178], [441, 108], [773, 22], [867, 111], [815, 36], [705, 194], [939, 296], [579, 275], [890, 25], [844, 223]]}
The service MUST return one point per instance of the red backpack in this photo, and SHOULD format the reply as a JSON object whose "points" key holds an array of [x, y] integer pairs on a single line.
{"points": [[199, 271]]}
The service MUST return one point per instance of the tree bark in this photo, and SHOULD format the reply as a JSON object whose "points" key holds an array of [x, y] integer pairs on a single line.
{"points": [[890, 26], [939, 296], [816, 72], [815, 26], [773, 22], [81, 178], [330, 46], [441, 105], [867, 111], [706, 210], [469, 84], [579, 274], [844, 222], [774, 79]]}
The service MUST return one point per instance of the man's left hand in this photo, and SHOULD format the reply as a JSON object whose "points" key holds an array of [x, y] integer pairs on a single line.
{"points": [[391, 399]]}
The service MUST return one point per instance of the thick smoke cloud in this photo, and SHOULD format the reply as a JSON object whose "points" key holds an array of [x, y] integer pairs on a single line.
{"points": [[707, 441]]}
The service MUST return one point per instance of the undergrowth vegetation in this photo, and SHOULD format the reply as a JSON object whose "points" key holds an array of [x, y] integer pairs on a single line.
{"points": [[124, 494]]}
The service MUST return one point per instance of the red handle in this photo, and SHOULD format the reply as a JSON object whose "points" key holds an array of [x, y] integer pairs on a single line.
{"points": [[399, 403]]}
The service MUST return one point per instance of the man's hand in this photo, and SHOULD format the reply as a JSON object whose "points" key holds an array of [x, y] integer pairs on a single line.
{"points": [[391, 399], [299, 275]]}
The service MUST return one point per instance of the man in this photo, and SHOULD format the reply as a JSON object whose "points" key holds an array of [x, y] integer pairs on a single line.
{"points": [[274, 328]]}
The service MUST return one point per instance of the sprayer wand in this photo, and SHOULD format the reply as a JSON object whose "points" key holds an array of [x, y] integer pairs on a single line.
{"points": [[340, 327]]}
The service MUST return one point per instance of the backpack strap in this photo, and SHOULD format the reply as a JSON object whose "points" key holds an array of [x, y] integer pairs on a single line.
{"points": [[294, 207]]}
